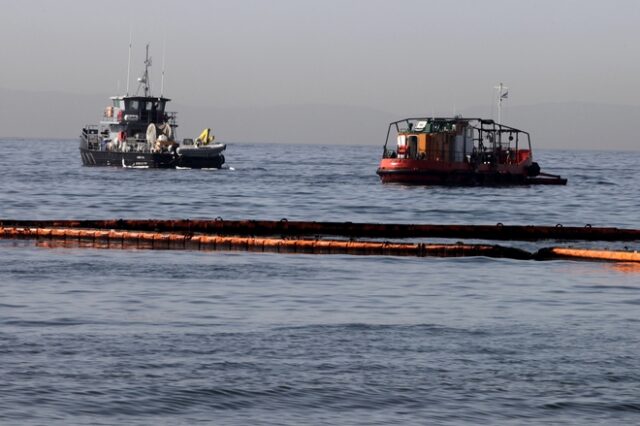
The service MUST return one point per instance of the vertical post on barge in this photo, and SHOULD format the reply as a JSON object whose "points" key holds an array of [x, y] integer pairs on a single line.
{"points": [[503, 93]]}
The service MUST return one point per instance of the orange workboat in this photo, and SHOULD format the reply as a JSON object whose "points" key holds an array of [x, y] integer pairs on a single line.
{"points": [[460, 151]]}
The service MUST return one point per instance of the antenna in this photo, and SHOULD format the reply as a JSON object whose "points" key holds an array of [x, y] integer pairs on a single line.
{"points": [[129, 63], [163, 56], [455, 110], [503, 93]]}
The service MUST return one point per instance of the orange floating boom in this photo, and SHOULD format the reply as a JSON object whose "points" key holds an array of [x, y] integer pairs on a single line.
{"points": [[98, 238], [155, 240], [589, 254]]}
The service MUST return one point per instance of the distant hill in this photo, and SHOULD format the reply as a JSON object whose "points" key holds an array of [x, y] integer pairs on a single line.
{"points": [[60, 115], [315, 124], [46, 114], [553, 125]]}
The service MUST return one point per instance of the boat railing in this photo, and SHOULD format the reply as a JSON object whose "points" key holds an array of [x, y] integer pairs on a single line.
{"points": [[130, 145], [172, 118], [137, 145], [478, 155], [492, 143], [91, 136], [90, 129]]}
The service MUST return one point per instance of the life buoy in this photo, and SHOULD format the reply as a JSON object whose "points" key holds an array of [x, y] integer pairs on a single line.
{"points": [[120, 115], [122, 136], [402, 149]]}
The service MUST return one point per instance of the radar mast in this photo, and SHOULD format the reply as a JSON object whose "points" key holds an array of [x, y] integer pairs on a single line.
{"points": [[144, 80]]}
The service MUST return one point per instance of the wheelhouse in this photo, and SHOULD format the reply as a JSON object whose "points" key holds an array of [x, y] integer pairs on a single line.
{"points": [[457, 140]]}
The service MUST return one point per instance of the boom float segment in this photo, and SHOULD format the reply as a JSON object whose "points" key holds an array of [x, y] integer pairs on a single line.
{"points": [[155, 240], [587, 254]]}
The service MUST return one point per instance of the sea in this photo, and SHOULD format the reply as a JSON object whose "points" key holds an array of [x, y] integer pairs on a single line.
{"points": [[167, 337]]}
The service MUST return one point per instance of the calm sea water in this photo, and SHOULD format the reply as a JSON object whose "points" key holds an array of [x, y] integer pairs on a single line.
{"points": [[91, 336]]}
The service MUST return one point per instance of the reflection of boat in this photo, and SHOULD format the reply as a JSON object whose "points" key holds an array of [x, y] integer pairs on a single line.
{"points": [[137, 132], [460, 151]]}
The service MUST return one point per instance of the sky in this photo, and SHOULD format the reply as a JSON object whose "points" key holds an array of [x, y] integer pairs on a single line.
{"points": [[403, 56], [381, 54]]}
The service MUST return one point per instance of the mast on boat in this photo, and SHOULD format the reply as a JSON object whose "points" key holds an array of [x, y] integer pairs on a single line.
{"points": [[503, 93], [162, 78], [144, 80], [129, 61]]}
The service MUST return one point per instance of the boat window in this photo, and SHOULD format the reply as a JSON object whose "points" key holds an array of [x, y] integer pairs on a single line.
{"points": [[132, 105], [149, 106], [420, 125]]}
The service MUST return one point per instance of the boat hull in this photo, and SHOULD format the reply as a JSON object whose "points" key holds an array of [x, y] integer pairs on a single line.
{"points": [[424, 172], [203, 157], [148, 160]]}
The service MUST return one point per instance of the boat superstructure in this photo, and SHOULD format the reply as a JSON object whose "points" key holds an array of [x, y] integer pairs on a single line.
{"points": [[138, 132], [460, 151]]}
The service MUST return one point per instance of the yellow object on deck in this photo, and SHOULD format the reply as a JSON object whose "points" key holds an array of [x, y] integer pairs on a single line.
{"points": [[205, 137]]}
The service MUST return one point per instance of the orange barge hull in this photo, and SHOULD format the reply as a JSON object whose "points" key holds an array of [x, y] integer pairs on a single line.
{"points": [[424, 172]]}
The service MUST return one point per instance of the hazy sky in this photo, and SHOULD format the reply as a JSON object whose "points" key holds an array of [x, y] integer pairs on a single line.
{"points": [[404, 56]]}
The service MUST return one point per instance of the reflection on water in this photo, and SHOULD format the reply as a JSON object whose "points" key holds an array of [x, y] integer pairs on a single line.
{"points": [[625, 267]]}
